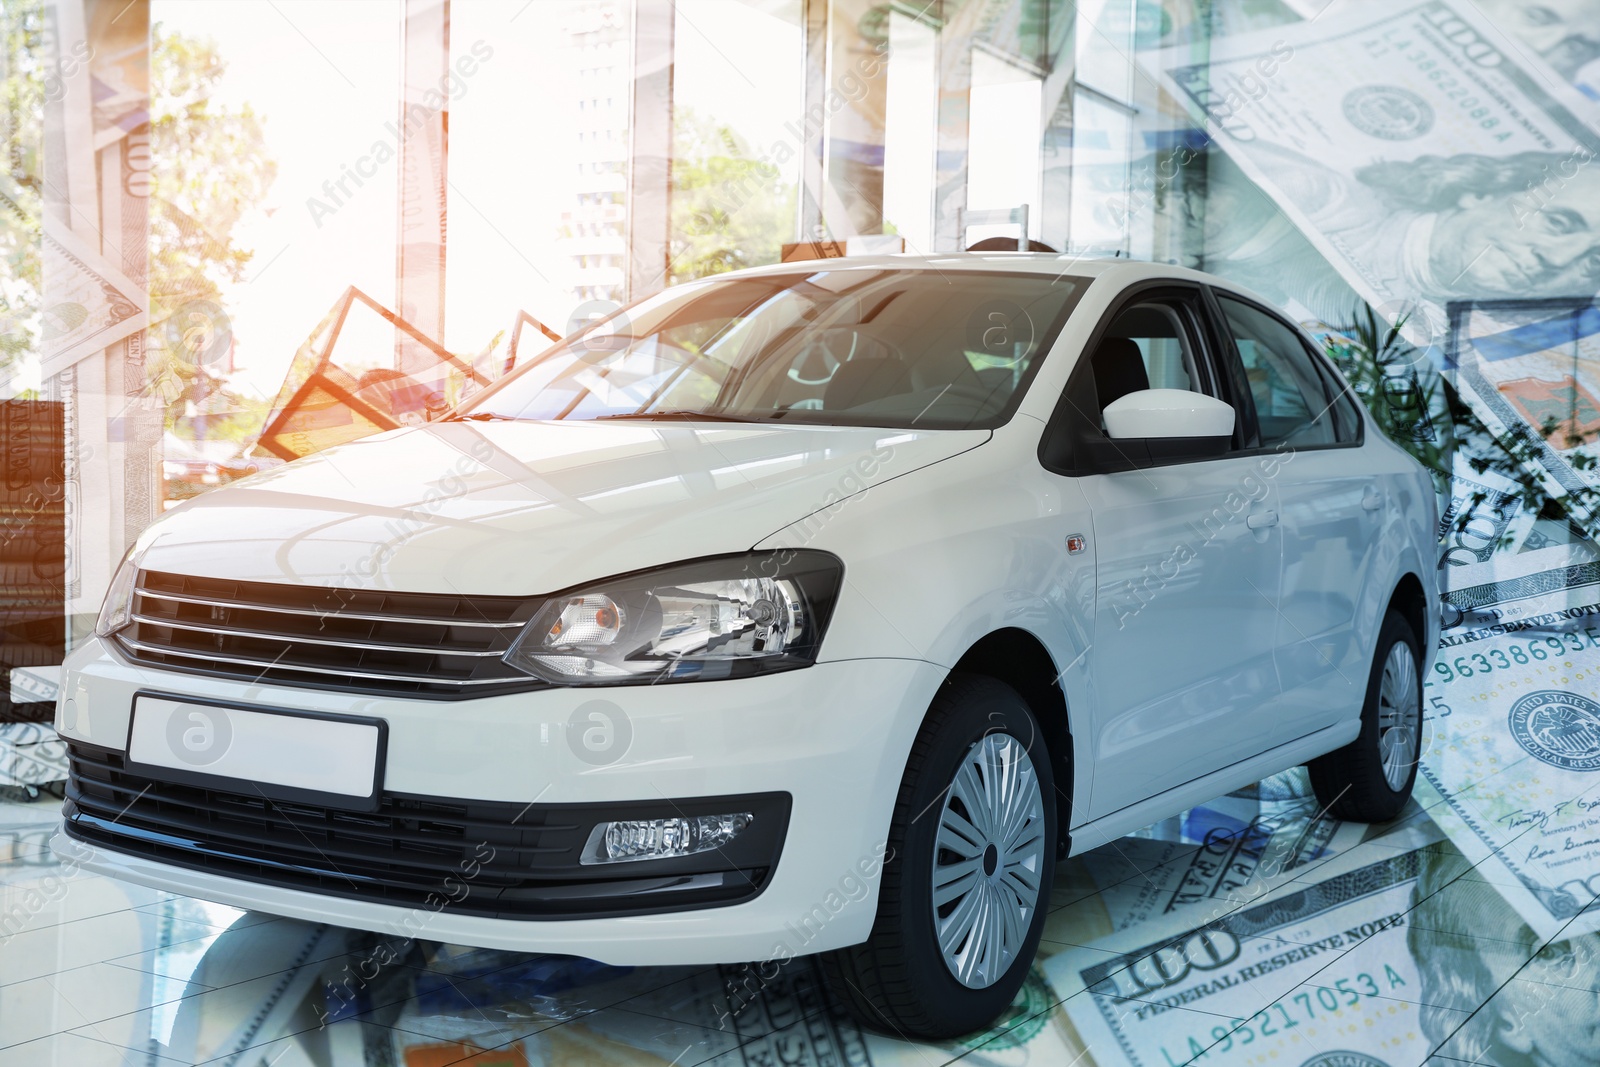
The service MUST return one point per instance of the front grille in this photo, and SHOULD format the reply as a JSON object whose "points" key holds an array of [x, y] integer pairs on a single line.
{"points": [[430, 645], [504, 860]]}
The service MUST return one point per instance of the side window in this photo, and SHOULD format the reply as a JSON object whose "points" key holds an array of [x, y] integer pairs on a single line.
{"points": [[1146, 347], [1291, 403]]}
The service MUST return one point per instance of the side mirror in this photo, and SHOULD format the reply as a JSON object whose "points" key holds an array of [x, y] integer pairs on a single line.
{"points": [[1168, 413]]}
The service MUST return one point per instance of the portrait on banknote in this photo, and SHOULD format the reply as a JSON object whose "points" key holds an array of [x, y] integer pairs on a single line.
{"points": [[1491, 989]]}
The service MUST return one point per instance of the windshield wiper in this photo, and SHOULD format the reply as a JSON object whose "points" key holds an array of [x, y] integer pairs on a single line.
{"points": [[680, 413]]}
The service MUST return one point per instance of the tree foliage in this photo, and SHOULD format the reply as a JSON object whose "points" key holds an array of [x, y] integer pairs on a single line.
{"points": [[209, 169], [730, 209], [1411, 400], [22, 97]]}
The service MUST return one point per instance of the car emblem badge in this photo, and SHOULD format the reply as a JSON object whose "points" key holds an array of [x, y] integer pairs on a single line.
{"points": [[1076, 543]]}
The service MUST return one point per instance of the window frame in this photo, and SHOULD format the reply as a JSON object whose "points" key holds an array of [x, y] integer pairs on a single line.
{"points": [[1322, 370], [1073, 444], [1344, 397]]}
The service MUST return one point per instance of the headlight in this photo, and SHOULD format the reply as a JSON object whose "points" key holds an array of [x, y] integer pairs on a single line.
{"points": [[725, 617], [118, 606]]}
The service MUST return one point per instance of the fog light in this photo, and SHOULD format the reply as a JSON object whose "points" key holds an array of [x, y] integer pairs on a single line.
{"points": [[654, 839]]}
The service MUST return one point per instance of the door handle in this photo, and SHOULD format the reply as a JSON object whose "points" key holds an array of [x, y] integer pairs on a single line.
{"points": [[1372, 499], [1261, 520]]}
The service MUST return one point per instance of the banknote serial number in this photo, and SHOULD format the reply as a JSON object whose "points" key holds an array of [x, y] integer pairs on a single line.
{"points": [[1517, 654], [1283, 1015]]}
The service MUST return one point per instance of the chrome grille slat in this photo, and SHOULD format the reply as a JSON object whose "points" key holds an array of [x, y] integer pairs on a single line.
{"points": [[204, 602], [298, 639], [260, 664], [427, 645]]}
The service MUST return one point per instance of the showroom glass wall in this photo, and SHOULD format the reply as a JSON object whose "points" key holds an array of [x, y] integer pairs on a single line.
{"points": [[232, 255]]}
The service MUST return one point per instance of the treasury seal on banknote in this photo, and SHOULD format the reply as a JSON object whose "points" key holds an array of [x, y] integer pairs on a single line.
{"points": [[1561, 729], [1388, 111], [1343, 1059]]}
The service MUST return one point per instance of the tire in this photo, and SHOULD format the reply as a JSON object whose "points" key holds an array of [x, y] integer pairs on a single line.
{"points": [[1370, 779], [899, 980]]}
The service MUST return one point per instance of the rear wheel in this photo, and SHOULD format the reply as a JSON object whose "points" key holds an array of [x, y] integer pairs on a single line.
{"points": [[967, 880], [1370, 779]]}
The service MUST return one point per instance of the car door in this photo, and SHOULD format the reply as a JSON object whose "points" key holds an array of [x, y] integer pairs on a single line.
{"points": [[1187, 564], [1330, 510]]}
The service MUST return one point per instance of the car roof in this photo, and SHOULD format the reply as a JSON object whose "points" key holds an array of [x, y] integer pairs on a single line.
{"points": [[1118, 271], [1078, 264]]}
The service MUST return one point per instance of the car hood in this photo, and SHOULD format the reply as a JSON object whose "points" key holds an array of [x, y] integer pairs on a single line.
{"points": [[527, 507]]}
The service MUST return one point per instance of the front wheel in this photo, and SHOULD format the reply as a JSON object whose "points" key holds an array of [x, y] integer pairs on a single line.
{"points": [[1370, 779], [967, 881]]}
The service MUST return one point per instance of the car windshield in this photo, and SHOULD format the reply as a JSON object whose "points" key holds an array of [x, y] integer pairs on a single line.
{"points": [[854, 346]]}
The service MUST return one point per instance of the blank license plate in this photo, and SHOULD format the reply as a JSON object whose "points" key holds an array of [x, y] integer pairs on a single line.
{"points": [[291, 756]]}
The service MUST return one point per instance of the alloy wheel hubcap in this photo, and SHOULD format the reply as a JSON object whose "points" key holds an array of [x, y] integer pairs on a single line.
{"points": [[1399, 716], [988, 861]]}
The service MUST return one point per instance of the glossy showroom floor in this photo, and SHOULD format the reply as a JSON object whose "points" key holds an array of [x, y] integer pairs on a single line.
{"points": [[1247, 931]]}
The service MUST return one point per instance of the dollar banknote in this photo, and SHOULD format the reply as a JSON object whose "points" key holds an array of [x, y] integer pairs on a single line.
{"points": [[119, 73], [1493, 526], [1379, 963], [1321, 970], [1232, 849], [1529, 368], [30, 755], [89, 305], [1409, 144], [1511, 769], [1565, 37]]}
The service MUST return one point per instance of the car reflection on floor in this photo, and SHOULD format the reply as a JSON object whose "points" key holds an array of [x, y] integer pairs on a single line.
{"points": [[95, 971]]}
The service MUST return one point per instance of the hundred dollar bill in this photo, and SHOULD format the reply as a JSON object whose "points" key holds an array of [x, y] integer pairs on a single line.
{"points": [[1246, 846], [1511, 770], [1315, 974], [89, 305], [1565, 37], [1403, 140], [1486, 516], [1384, 960], [1503, 553], [1493, 525], [30, 755], [1529, 367], [119, 72]]}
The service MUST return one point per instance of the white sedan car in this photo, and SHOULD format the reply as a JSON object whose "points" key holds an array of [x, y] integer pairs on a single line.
{"points": [[821, 607]]}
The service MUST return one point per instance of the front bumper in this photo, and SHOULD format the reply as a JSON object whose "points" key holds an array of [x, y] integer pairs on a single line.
{"points": [[831, 740]]}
